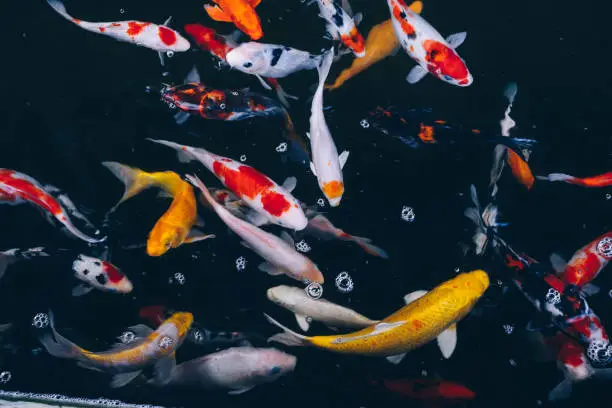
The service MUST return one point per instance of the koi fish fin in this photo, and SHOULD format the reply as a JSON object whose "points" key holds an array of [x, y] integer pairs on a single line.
{"points": [[369, 248], [416, 6], [56, 344], [540, 322], [283, 96], [59, 7], [195, 235], [200, 222], [182, 154], [120, 380], [162, 60], [510, 92], [411, 297], [240, 390], [447, 341], [263, 82], [561, 391], [193, 75], [167, 22], [284, 235], [455, 40], [163, 369], [81, 289], [256, 218], [135, 180], [358, 18], [246, 245], [88, 367], [254, 3], [302, 322], [346, 6], [343, 158], [556, 177], [590, 289], [288, 337], [312, 166], [497, 168], [181, 117], [217, 14], [558, 263], [270, 269], [396, 359], [416, 74], [289, 184]]}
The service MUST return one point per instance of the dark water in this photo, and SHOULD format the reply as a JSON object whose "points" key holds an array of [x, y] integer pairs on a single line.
{"points": [[73, 99]]}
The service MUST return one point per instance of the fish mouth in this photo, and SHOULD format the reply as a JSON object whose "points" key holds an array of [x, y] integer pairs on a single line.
{"points": [[481, 277], [360, 54]]}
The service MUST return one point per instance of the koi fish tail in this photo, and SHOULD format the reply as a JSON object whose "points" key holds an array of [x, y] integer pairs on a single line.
{"points": [[288, 337], [56, 344], [557, 177], [300, 147], [135, 180], [345, 75], [182, 154], [59, 7], [65, 221], [368, 247]]}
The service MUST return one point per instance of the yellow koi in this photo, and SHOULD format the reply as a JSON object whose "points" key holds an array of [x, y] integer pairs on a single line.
{"points": [[381, 43], [427, 315], [175, 226]]}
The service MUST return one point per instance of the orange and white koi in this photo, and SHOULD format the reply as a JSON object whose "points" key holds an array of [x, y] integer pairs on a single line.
{"points": [[428, 48], [602, 180], [586, 264], [126, 362], [279, 253], [176, 226], [257, 190], [240, 12], [18, 188], [326, 164], [160, 38], [341, 26]]}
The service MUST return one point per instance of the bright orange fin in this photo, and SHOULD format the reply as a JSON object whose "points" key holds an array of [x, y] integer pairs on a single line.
{"points": [[254, 3], [416, 6], [216, 13]]}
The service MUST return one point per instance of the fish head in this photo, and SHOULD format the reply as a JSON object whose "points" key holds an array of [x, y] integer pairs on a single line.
{"points": [[182, 321], [333, 191], [182, 44], [163, 238], [101, 274], [474, 282], [209, 40], [247, 58], [284, 295], [312, 273], [354, 41], [289, 214], [444, 62], [273, 363]]}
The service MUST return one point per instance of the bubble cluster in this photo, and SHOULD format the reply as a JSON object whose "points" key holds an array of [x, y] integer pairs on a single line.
{"points": [[344, 282], [604, 247], [553, 296], [314, 290], [321, 202], [408, 214], [608, 196], [281, 148], [40, 321], [508, 328], [5, 377], [241, 263], [127, 337], [197, 335], [170, 54], [235, 93], [512, 362], [243, 158], [165, 342], [303, 246], [599, 352], [122, 11], [180, 278], [364, 123]]}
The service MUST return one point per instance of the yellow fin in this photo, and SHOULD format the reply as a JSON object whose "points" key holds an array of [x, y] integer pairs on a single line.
{"points": [[416, 6]]}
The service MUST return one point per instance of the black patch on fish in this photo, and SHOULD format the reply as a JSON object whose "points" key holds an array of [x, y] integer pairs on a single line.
{"points": [[403, 15], [247, 64], [337, 17], [276, 54], [101, 278], [287, 48], [85, 271]]}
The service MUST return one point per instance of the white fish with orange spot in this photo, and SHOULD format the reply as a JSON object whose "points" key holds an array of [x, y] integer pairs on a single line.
{"points": [[326, 165], [341, 26], [159, 38], [257, 190], [280, 254], [428, 48]]}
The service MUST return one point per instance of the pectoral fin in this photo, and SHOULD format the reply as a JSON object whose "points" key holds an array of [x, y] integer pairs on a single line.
{"points": [[455, 40], [343, 158], [561, 391], [312, 168], [416, 6], [411, 297], [447, 341], [270, 269], [240, 391], [416, 74], [558, 263], [217, 14], [290, 184], [396, 359], [590, 289], [287, 238], [81, 289], [195, 235], [302, 322], [140, 330], [163, 369], [123, 379]]}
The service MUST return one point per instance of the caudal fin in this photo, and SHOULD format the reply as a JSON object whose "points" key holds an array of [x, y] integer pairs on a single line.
{"points": [[369, 248], [182, 154], [56, 344], [288, 337], [556, 177], [135, 180], [59, 7]]}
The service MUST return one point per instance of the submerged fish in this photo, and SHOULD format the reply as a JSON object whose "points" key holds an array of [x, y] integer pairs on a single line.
{"points": [[156, 348], [427, 315], [342, 27], [18, 188], [432, 390], [602, 180], [176, 226]]}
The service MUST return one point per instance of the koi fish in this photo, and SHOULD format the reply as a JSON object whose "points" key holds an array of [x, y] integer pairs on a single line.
{"points": [[256, 189], [237, 369], [219, 45], [429, 389], [18, 188], [487, 224], [428, 48], [197, 334], [240, 12], [585, 264], [422, 129], [602, 180], [307, 309], [426, 316], [10, 256], [176, 226], [280, 255], [160, 38], [156, 348], [380, 43], [341, 26], [320, 226], [98, 274], [326, 165], [270, 60]]}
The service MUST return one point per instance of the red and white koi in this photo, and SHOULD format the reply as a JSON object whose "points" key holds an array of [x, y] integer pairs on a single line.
{"points": [[326, 165], [257, 190], [599, 181], [160, 38], [99, 274], [586, 263], [18, 188], [428, 48], [341, 26], [280, 254]]}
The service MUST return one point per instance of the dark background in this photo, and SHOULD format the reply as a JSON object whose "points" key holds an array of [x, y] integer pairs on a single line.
{"points": [[73, 99]]}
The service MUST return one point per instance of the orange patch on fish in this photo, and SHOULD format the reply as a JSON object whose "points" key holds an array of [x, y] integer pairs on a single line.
{"points": [[135, 28], [426, 134], [520, 169], [333, 189]]}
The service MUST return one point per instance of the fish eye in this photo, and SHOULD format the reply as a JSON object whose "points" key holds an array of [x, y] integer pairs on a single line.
{"points": [[274, 370], [247, 64]]}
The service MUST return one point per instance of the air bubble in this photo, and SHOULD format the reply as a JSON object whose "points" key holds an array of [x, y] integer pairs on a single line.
{"points": [[604, 247], [608, 196], [197, 335], [303, 246], [314, 290], [321, 202], [235, 93], [512, 362], [222, 105], [5, 377], [281, 147], [553, 296], [241, 263], [243, 158], [364, 123], [457, 269], [165, 342], [122, 11], [40, 321], [170, 54], [508, 328], [127, 337], [180, 278], [344, 282], [408, 214]]}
